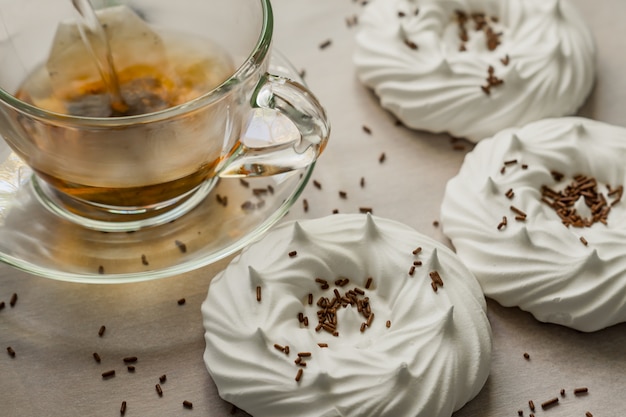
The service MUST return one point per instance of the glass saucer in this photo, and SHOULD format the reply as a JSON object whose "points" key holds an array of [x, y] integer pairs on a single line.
{"points": [[234, 214]]}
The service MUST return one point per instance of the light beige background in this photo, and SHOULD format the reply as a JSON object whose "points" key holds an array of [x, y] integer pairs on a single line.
{"points": [[54, 326]]}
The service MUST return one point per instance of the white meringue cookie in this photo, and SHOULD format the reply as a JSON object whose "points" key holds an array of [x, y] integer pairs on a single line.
{"points": [[436, 87], [573, 276], [431, 360]]}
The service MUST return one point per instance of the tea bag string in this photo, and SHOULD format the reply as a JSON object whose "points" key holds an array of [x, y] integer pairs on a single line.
{"points": [[96, 42]]}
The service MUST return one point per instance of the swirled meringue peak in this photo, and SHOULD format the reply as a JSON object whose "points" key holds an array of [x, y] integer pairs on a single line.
{"points": [[475, 67], [536, 214], [345, 316]]}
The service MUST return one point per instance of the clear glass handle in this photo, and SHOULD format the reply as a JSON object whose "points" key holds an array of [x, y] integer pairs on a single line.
{"points": [[288, 130]]}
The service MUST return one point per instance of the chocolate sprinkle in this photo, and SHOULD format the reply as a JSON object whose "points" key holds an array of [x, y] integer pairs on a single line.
{"points": [[563, 202], [108, 374], [325, 44], [550, 403], [181, 246], [411, 44]]}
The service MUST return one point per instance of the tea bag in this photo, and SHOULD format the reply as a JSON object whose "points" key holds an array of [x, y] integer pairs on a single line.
{"points": [[87, 72]]}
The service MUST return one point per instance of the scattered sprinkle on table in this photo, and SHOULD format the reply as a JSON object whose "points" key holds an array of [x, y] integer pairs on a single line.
{"points": [[130, 359], [550, 403], [181, 301], [187, 404], [123, 408], [108, 374], [162, 378], [101, 330], [325, 44], [352, 21], [10, 351], [13, 300], [526, 355], [581, 391], [97, 357], [159, 390]]}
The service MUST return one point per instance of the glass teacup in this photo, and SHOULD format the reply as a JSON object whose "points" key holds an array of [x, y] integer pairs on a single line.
{"points": [[137, 134]]}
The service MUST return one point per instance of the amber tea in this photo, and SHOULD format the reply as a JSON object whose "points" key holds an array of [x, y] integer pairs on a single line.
{"points": [[123, 68], [143, 71], [188, 68]]}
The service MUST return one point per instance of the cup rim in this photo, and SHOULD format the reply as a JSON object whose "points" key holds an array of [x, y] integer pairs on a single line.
{"points": [[251, 63]]}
